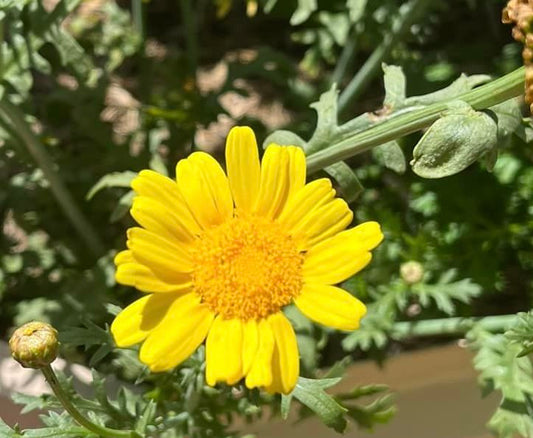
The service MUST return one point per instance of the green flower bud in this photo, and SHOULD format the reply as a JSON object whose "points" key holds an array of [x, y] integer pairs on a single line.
{"points": [[34, 344], [411, 272], [454, 142]]}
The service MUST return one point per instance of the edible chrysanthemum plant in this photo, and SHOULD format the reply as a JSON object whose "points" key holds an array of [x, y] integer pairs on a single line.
{"points": [[219, 257]]}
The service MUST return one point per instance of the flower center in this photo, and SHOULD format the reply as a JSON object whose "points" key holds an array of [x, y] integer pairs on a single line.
{"points": [[247, 268]]}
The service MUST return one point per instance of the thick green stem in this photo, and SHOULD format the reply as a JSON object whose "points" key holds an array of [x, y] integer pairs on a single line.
{"points": [[451, 326], [497, 91], [372, 65], [13, 121], [63, 397]]}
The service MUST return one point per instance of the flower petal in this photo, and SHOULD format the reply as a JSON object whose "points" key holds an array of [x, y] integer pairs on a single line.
{"points": [[223, 351], [205, 188], [321, 223], [140, 277], [242, 162], [136, 321], [330, 306], [162, 189], [179, 334], [286, 359], [159, 218], [260, 374], [170, 261], [250, 344], [305, 200], [341, 256], [282, 170]]}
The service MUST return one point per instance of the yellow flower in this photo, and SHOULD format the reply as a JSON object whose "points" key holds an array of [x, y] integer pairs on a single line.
{"points": [[220, 256]]}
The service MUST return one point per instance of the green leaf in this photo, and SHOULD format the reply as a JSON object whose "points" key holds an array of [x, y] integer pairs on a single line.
{"points": [[303, 11], [349, 184], [522, 332], [310, 392], [394, 80], [284, 138], [444, 292], [453, 143], [8, 432], [461, 85], [122, 207], [508, 116], [500, 369], [391, 156], [115, 179], [356, 9], [338, 25], [146, 417]]}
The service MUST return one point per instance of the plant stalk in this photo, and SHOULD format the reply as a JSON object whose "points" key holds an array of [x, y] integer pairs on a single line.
{"points": [[372, 65], [485, 96], [63, 397], [451, 326], [12, 119], [189, 23]]}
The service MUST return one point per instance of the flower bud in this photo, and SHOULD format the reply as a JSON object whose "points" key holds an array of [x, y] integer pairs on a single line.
{"points": [[411, 272], [34, 344]]}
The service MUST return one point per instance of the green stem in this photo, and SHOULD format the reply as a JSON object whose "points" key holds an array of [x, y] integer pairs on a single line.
{"points": [[189, 22], [345, 59], [63, 397], [497, 91], [13, 121], [372, 65], [451, 326]]}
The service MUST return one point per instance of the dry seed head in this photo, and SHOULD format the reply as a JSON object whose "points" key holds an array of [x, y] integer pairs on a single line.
{"points": [[520, 12], [34, 344]]}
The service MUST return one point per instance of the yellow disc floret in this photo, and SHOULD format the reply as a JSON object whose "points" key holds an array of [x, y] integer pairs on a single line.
{"points": [[247, 268]]}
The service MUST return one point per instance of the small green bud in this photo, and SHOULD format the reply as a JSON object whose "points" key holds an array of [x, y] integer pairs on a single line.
{"points": [[411, 272], [454, 142], [34, 344]]}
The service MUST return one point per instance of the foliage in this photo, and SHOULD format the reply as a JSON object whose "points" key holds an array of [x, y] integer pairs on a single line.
{"points": [[502, 370]]}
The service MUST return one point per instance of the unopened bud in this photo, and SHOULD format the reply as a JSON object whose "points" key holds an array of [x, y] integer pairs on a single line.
{"points": [[411, 272], [34, 344]]}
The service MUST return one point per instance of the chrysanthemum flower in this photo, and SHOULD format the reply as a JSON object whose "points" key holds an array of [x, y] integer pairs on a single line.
{"points": [[220, 256]]}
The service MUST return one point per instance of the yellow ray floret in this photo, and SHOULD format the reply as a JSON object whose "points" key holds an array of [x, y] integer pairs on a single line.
{"points": [[220, 255]]}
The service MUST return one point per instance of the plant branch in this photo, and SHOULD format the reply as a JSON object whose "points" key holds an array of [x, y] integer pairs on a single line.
{"points": [[63, 397], [451, 326], [13, 121], [189, 22], [485, 96], [372, 65]]}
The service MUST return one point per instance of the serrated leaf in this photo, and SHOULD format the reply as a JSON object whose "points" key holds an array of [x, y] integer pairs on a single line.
{"points": [[500, 369], [391, 156], [394, 81], [310, 392], [115, 179], [461, 85]]}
